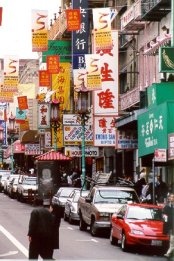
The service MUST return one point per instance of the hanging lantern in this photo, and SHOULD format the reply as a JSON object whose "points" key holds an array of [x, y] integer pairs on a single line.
{"points": [[1, 134]]}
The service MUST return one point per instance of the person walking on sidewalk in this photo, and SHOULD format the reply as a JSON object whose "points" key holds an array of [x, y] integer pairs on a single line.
{"points": [[169, 212]]}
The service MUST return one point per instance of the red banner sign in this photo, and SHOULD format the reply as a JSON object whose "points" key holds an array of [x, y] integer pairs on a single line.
{"points": [[53, 64], [44, 78], [73, 19]]}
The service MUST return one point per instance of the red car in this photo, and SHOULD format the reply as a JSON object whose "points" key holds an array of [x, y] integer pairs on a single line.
{"points": [[139, 225]]}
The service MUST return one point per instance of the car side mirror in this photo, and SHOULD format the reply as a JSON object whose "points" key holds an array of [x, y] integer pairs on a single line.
{"points": [[119, 216], [88, 200]]}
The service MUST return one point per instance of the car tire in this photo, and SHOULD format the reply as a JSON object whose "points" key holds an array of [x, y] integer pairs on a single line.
{"points": [[124, 246], [113, 240], [65, 217], [70, 220], [93, 229], [82, 224]]}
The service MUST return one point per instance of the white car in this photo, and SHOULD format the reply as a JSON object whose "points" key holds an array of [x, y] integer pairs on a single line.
{"points": [[71, 207], [12, 186], [27, 190], [4, 174], [7, 182], [61, 196]]}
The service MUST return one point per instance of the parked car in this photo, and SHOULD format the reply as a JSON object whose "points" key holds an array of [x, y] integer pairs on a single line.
{"points": [[140, 225], [4, 174], [8, 180], [27, 190], [71, 210], [61, 196], [96, 209], [12, 186]]}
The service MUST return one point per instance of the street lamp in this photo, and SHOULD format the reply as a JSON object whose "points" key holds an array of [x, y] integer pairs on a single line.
{"points": [[12, 132], [83, 113], [1, 140], [55, 120]]}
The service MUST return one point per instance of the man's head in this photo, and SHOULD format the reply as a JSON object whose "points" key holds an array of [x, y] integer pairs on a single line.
{"points": [[171, 198], [159, 178]]}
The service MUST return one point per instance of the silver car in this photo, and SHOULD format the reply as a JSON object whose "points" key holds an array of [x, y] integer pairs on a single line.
{"points": [[60, 198], [71, 210]]}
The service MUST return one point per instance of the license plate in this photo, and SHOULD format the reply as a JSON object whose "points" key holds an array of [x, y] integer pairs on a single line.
{"points": [[156, 243]]}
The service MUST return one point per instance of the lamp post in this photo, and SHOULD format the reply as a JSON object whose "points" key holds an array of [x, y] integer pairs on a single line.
{"points": [[55, 120], [1, 150], [83, 113], [12, 131]]}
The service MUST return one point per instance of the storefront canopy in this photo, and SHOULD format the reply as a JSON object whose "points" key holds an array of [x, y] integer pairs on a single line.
{"points": [[30, 136], [52, 155]]}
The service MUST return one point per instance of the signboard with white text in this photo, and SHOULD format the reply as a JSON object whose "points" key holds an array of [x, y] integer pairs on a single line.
{"points": [[77, 152]]}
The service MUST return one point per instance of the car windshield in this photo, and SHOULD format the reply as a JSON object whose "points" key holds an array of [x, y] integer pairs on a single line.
{"points": [[143, 213], [115, 196]]}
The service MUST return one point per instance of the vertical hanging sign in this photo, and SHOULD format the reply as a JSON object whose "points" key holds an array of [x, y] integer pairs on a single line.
{"points": [[80, 37], [39, 30]]}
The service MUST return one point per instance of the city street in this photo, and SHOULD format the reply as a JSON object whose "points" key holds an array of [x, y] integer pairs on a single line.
{"points": [[74, 244]]}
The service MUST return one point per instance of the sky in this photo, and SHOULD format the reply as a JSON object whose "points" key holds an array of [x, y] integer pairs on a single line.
{"points": [[15, 31]]}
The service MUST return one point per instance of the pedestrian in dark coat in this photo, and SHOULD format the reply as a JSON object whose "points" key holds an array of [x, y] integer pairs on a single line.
{"points": [[161, 190], [40, 233], [169, 212], [56, 214], [141, 182]]}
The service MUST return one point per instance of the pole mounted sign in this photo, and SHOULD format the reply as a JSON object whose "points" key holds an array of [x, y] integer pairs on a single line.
{"points": [[171, 146], [160, 155]]}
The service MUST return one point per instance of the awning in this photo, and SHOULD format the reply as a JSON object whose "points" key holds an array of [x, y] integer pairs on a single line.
{"points": [[16, 148], [155, 45], [53, 155], [30, 136]]}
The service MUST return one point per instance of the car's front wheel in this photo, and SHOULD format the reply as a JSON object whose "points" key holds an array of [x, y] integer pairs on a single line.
{"points": [[93, 229], [65, 216], [82, 224], [113, 240], [124, 245]]}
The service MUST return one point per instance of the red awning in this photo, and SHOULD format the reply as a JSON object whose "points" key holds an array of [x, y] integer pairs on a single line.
{"points": [[53, 155]]}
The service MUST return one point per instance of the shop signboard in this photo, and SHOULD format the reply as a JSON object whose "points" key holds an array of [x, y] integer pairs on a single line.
{"points": [[73, 135], [75, 151], [166, 55], [160, 155], [171, 146], [158, 93], [153, 128], [58, 47]]}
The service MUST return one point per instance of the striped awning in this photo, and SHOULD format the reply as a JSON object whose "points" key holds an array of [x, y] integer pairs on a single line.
{"points": [[53, 155]]}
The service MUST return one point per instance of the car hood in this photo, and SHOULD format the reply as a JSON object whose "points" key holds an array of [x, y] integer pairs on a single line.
{"points": [[110, 208], [149, 228]]}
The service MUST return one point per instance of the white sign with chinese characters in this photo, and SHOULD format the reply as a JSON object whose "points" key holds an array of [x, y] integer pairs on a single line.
{"points": [[104, 131], [43, 115], [106, 100]]}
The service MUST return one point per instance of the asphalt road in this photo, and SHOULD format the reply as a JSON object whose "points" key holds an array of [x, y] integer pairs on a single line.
{"points": [[74, 244]]}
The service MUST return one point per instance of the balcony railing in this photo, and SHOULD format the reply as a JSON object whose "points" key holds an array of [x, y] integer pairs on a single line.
{"points": [[154, 10]]}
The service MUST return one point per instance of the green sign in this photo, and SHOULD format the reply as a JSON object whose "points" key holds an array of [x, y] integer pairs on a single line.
{"points": [[158, 93], [154, 127], [166, 55], [58, 47]]}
